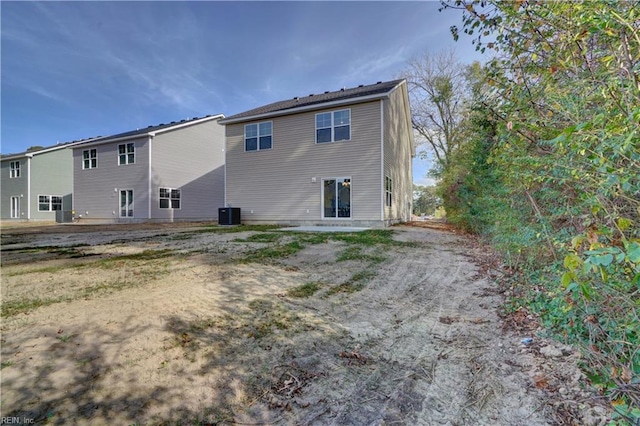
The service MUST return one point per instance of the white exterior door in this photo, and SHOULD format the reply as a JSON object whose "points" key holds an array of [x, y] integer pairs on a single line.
{"points": [[15, 207], [126, 203]]}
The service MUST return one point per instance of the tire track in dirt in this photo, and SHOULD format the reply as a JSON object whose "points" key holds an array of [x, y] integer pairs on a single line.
{"points": [[431, 344]]}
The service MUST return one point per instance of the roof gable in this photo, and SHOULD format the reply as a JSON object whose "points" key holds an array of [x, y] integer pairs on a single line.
{"points": [[379, 89]]}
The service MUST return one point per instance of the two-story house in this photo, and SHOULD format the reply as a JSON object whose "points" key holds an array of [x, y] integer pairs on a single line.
{"points": [[37, 184], [167, 172], [338, 158]]}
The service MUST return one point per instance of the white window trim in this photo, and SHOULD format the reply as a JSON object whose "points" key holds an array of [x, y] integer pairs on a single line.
{"points": [[388, 192], [132, 203], [90, 158], [14, 169], [126, 154], [164, 198], [333, 126], [322, 216], [244, 140], [50, 202]]}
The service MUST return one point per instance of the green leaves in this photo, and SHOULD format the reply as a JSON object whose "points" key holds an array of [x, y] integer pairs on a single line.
{"points": [[558, 167]]}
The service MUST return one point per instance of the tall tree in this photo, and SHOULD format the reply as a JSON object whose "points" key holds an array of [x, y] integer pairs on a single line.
{"points": [[438, 89]]}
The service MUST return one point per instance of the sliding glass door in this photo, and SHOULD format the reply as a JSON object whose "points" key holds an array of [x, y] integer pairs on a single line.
{"points": [[126, 203], [336, 198]]}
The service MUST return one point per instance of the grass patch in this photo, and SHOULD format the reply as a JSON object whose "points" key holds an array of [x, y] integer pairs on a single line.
{"points": [[64, 337], [262, 318], [5, 364], [107, 263], [274, 252], [144, 255], [355, 253], [311, 237], [47, 249], [16, 307], [268, 317], [267, 237], [234, 229], [45, 270], [138, 278], [182, 236], [355, 283], [304, 290], [370, 237]]}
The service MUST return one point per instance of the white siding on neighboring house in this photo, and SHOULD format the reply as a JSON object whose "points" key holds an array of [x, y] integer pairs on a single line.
{"points": [[14, 187], [97, 190], [46, 174], [189, 159], [284, 183], [51, 175]]}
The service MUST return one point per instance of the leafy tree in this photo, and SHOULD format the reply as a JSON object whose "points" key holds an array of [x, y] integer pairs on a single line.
{"points": [[563, 96], [437, 89], [425, 200]]}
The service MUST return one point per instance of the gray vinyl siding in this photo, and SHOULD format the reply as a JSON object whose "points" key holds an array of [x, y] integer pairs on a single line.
{"points": [[190, 159], [51, 174], [277, 184], [13, 187], [97, 191], [398, 152]]}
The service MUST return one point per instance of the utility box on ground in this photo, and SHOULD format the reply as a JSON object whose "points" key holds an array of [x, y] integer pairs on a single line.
{"points": [[229, 216]]}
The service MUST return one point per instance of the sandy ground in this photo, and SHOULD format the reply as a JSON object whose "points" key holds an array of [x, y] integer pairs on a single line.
{"points": [[189, 332]]}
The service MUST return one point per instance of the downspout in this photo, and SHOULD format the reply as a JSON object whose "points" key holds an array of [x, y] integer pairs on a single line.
{"points": [[382, 177], [224, 153], [149, 193], [28, 187]]}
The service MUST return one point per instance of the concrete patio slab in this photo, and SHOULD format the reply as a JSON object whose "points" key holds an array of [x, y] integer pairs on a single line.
{"points": [[324, 229]]}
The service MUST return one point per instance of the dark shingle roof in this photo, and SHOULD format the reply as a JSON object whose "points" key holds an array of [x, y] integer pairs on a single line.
{"points": [[59, 145], [379, 88], [101, 139], [155, 128], [146, 130]]}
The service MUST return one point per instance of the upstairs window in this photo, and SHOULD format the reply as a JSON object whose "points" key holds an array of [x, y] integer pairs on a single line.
{"points": [[126, 154], [333, 126], [258, 136], [15, 169], [89, 159], [169, 198], [48, 203]]}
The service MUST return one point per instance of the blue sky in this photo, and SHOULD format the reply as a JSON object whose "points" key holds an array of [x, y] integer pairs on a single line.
{"points": [[73, 70]]}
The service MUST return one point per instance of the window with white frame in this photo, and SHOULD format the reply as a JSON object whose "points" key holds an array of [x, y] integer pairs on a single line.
{"points": [[333, 126], [258, 136], [388, 191], [49, 203], [14, 169], [126, 154], [89, 159], [169, 198]]}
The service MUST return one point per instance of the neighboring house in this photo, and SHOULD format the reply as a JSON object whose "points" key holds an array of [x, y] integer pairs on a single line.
{"points": [[169, 172], [36, 184], [337, 158]]}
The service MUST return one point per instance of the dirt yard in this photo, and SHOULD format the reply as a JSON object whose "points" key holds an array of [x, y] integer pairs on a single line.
{"points": [[195, 324]]}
